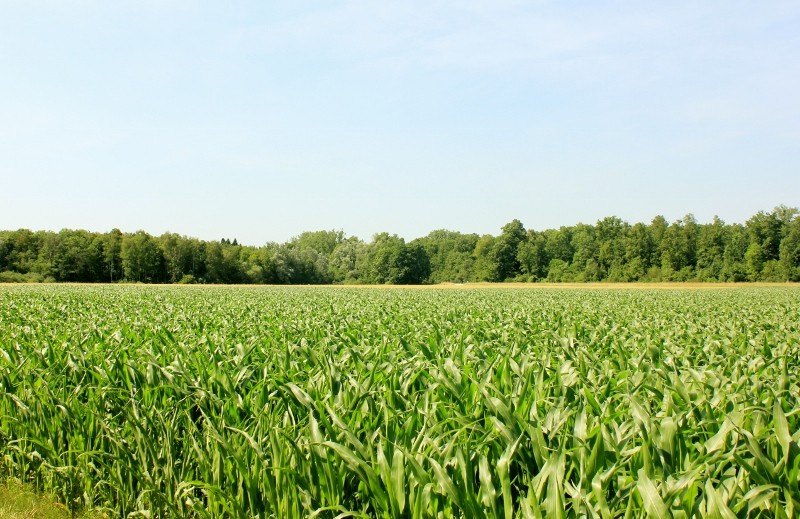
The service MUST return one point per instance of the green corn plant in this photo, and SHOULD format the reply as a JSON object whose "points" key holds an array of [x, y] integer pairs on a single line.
{"points": [[339, 402]]}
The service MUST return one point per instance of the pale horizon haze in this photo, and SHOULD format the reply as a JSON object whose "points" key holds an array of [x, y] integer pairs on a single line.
{"points": [[261, 120]]}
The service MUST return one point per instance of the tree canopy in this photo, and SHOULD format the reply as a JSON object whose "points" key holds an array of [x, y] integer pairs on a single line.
{"points": [[765, 248]]}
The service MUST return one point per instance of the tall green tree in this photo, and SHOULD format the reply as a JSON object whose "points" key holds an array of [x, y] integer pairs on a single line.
{"points": [[413, 265], [49, 250], [344, 263], [560, 251], [223, 264], [790, 250], [658, 228], [558, 244], [78, 257], [450, 254], [5, 248], [766, 232], [324, 242], [504, 251], [585, 264], [611, 235], [711, 241], [141, 258], [485, 267], [170, 245], [678, 249], [23, 251], [111, 244], [640, 250], [532, 256], [391, 261], [765, 248], [733, 258]]}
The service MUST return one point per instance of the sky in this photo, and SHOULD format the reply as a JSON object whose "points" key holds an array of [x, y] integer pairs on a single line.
{"points": [[259, 120]]}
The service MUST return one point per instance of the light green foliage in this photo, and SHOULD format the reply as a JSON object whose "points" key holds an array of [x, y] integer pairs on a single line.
{"points": [[337, 402]]}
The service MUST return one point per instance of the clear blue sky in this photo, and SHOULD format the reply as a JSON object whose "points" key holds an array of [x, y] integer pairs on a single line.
{"points": [[259, 120]]}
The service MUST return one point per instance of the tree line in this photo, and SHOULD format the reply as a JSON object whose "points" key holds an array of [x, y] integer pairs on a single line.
{"points": [[765, 248]]}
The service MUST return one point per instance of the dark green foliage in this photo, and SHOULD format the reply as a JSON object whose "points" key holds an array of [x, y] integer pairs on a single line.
{"points": [[450, 255], [765, 248], [532, 256], [790, 251], [485, 266], [142, 260], [390, 260], [504, 252]]}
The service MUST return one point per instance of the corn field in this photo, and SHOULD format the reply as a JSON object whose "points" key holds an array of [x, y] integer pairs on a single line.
{"points": [[400, 403]]}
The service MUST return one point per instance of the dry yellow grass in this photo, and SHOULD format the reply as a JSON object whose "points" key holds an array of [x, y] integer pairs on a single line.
{"points": [[671, 285], [579, 286], [665, 285], [17, 501]]}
